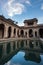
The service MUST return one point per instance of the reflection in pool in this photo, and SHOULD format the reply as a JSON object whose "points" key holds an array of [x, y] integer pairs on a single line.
{"points": [[21, 52]]}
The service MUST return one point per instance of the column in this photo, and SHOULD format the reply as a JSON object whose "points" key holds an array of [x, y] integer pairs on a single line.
{"points": [[27, 33], [34, 33], [38, 33], [12, 32], [6, 31]]}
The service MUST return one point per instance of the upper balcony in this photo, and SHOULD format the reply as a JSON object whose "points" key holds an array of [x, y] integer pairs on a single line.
{"points": [[30, 22]]}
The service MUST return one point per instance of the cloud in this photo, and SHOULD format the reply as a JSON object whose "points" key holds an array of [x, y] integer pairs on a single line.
{"points": [[28, 2], [15, 7], [11, 63], [42, 7], [40, 19], [7, 63], [21, 24], [23, 1], [17, 64]]}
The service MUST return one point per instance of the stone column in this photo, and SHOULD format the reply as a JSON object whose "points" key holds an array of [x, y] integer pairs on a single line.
{"points": [[6, 31], [38, 33], [27, 33], [34, 33], [12, 32]]}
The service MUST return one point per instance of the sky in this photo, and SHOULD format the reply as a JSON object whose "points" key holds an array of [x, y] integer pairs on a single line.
{"points": [[20, 10]]}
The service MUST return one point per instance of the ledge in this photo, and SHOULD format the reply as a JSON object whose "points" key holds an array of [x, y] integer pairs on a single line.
{"points": [[13, 39]]}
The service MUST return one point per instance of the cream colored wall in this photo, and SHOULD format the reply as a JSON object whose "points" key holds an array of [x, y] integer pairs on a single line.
{"points": [[34, 24], [6, 29], [7, 25]]}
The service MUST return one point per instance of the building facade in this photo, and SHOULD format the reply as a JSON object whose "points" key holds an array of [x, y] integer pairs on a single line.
{"points": [[8, 29]]}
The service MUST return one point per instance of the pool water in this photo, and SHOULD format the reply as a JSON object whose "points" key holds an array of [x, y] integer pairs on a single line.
{"points": [[21, 52]]}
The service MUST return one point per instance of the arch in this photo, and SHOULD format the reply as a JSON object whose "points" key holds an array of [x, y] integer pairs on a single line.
{"points": [[18, 33], [2, 30], [25, 34], [22, 33], [41, 32], [14, 32], [30, 33], [35, 33], [9, 32]]}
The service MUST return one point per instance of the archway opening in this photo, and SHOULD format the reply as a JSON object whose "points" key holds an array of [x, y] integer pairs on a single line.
{"points": [[18, 33], [41, 33], [25, 34], [30, 33], [1, 30], [9, 32], [22, 33], [35, 33], [14, 32]]}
